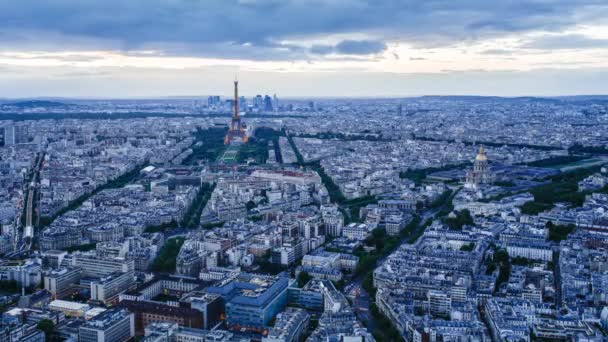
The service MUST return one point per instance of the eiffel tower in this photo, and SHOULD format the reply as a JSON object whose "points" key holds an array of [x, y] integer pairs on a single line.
{"points": [[236, 132]]}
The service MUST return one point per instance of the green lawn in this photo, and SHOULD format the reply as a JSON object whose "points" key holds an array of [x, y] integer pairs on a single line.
{"points": [[563, 188], [418, 175], [208, 145], [556, 161]]}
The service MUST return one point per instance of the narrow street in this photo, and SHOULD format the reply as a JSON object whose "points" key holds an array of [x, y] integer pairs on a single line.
{"points": [[354, 289], [557, 279], [28, 229]]}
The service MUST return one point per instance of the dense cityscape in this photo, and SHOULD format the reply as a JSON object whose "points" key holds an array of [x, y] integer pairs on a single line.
{"points": [[304, 171], [267, 219]]}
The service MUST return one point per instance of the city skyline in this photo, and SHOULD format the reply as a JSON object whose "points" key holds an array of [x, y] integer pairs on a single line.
{"points": [[303, 170], [303, 48]]}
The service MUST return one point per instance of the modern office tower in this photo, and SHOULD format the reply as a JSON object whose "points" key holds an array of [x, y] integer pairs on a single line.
{"points": [[9, 135], [275, 102], [252, 300], [116, 325], [258, 102], [213, 100], [60, 283], [267, 103], [15, 134]]}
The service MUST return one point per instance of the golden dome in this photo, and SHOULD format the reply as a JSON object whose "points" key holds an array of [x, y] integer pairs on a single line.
{"points": [[481, 156]]}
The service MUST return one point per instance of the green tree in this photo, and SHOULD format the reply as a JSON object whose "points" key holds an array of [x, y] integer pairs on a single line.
{"points": [[303, 278], [461, 219], [47, 327], [501, 257], [11, 286], [166, 258], [468, 247], [559, 232]]}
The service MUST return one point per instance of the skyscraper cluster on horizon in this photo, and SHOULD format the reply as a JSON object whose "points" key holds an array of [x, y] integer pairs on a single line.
{"points": [[258, 103]]}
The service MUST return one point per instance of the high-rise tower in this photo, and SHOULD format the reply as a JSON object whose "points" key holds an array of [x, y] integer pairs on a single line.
{"points": [[236, 132]]}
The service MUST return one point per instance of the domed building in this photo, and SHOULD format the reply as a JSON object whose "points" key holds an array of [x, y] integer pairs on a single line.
{"points": [[481, 173]]}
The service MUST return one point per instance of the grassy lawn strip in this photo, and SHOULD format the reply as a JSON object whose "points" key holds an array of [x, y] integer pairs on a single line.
{"points": [[208, 145], [495, 144], [563, 188], [345, 137], [578, 148], [556, 161], [418, 175]]}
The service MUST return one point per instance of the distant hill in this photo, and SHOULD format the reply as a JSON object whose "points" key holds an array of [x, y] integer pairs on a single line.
{"points": [[492, 98], [586, 99], [36, 103]]}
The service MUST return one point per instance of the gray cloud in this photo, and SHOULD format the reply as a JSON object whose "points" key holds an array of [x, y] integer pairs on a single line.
{"points": [[252, 29], [570, 41], [504, 52], [322, 49], [79, 74], [64, 58], [360, 47], [351, 47], [6, 69]]}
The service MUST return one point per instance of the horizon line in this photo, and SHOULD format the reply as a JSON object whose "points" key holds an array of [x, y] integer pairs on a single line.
{"points": [[185, 97]]}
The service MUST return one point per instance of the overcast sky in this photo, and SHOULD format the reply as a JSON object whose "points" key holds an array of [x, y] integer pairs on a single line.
{"points": [[120, 48]]}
